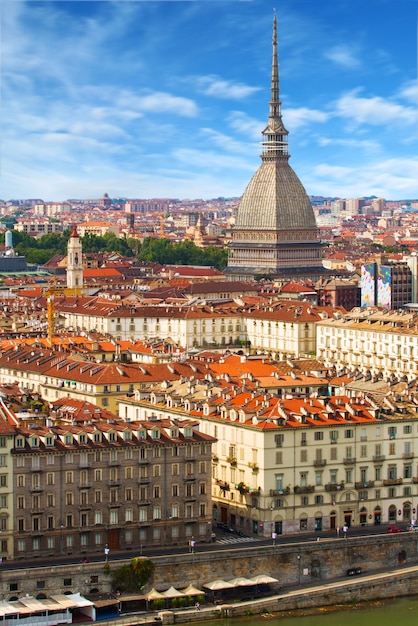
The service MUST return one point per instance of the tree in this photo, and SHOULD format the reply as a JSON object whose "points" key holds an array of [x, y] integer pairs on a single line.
{"points": [[133, 576]]}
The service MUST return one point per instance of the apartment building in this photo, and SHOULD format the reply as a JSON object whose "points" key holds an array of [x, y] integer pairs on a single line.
{"points": [[371, 342], [78, 489], [288, 465]]}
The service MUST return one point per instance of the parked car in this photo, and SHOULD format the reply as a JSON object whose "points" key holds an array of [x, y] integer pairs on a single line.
{"points": [[413, 528], [353, 571], [394, 529]]}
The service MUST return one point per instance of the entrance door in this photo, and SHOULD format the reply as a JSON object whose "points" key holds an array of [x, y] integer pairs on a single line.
{"points": [[113, 539], [278, 527], [224, 514]]}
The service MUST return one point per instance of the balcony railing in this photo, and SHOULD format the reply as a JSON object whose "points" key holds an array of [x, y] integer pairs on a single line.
{"points": [[334, 486], [349, 460], [366, 485], [379, 457], [279, 492], [319, 462], [306, 489], [393, 481], [408, 455]]}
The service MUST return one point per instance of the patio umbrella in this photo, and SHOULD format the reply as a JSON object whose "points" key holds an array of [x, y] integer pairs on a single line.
{"points": [[241, 581], [173, 593], [154, 595], [263, 579], [216, 585], [192, 591]]}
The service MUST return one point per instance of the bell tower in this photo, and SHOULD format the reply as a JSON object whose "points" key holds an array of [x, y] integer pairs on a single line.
{"points": [[74, 262]]}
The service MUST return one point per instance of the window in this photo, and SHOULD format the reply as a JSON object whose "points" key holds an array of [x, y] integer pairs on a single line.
{"points": [[303, 456], [349, 433], [318, 435], [279, 439], [156, 513]]}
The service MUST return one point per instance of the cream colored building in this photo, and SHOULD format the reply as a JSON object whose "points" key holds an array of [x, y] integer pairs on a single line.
{"points": [[294, 465], [284, 329], [371, 342]]}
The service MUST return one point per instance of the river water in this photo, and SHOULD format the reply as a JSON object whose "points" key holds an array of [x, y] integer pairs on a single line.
{"points": [[401, 612]]}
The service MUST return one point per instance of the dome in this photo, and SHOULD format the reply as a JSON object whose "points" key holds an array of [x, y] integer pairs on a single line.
{"points": [[275, 199]]}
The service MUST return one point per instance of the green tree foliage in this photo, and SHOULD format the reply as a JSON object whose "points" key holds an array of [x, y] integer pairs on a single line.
{"points": [[181, 253], [133, 576]]}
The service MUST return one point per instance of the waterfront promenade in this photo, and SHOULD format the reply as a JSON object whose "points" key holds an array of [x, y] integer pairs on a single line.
{"points": [[394, 583]]}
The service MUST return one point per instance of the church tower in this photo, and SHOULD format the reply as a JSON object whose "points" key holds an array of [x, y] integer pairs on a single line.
{"points": [[275, 233], [74, 262]]}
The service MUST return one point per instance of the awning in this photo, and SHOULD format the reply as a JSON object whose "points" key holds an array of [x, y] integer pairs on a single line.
{"points": [[217, 584]]}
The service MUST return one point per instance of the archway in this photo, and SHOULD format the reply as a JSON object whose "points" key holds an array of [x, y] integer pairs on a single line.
{"points": [[406, 512], [377, 516], [363, 516], [392, 513]]}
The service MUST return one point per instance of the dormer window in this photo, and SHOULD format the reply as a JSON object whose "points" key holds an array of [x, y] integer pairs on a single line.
{"points": [[174, 433], [82, 438], [142, 434], [49, 441], [68, 439], [97, 437], [155, 434], [112, 436], [188, 432], [127, 435], [20, 442], [34, 442]]}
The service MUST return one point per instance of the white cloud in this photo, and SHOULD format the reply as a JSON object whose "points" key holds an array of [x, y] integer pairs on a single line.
{"points": [[342, 56], [246, 125], [215, 86], [374, 111], [161, 102], [295, 118]]}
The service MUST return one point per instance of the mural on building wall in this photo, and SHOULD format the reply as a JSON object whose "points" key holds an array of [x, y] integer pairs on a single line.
{"points": [[384, 286], [368, 284]]}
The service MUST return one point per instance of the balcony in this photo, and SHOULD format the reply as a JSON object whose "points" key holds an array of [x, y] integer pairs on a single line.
{"points": [[306, 489], [319, 462], [279, 492], [334, 486], [84, 485], [224, 486], [254, 467], [232, 461], [366, 485], [189, 477], [393, 481], [378, 458], [408, 455], [143, 480], [349, 460]]}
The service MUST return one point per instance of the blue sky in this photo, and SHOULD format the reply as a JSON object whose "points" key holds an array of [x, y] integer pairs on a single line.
{"points": [[168, 99]]}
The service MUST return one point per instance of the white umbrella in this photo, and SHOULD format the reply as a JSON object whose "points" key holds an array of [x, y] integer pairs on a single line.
{"points": [[173, 593], [217, 584], [154, 595], [192, 591], [241, 581], [263, 579]]}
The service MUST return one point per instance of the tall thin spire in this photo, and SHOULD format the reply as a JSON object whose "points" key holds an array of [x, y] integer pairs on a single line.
{"points": [[275, 143]]}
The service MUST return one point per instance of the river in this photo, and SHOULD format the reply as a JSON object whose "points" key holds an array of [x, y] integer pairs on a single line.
{"points": [[372, 614]]}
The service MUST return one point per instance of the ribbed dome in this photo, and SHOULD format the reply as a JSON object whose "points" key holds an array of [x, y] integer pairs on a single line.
{"points": [[275, 199]]}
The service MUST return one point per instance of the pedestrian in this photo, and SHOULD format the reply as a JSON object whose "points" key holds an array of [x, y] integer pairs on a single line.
{"points": [[345, 530], [192, 545], [338, 531], [213, 537], [197, 606]]}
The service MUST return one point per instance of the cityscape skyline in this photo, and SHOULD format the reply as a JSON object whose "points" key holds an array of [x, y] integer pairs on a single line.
{"points": [[129, 98]]}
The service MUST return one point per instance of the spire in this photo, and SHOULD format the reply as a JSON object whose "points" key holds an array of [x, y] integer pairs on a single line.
{"points": [[275, 134]]}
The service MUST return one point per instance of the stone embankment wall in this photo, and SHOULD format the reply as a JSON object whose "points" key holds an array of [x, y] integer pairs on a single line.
{"points": [[310, 563]]}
